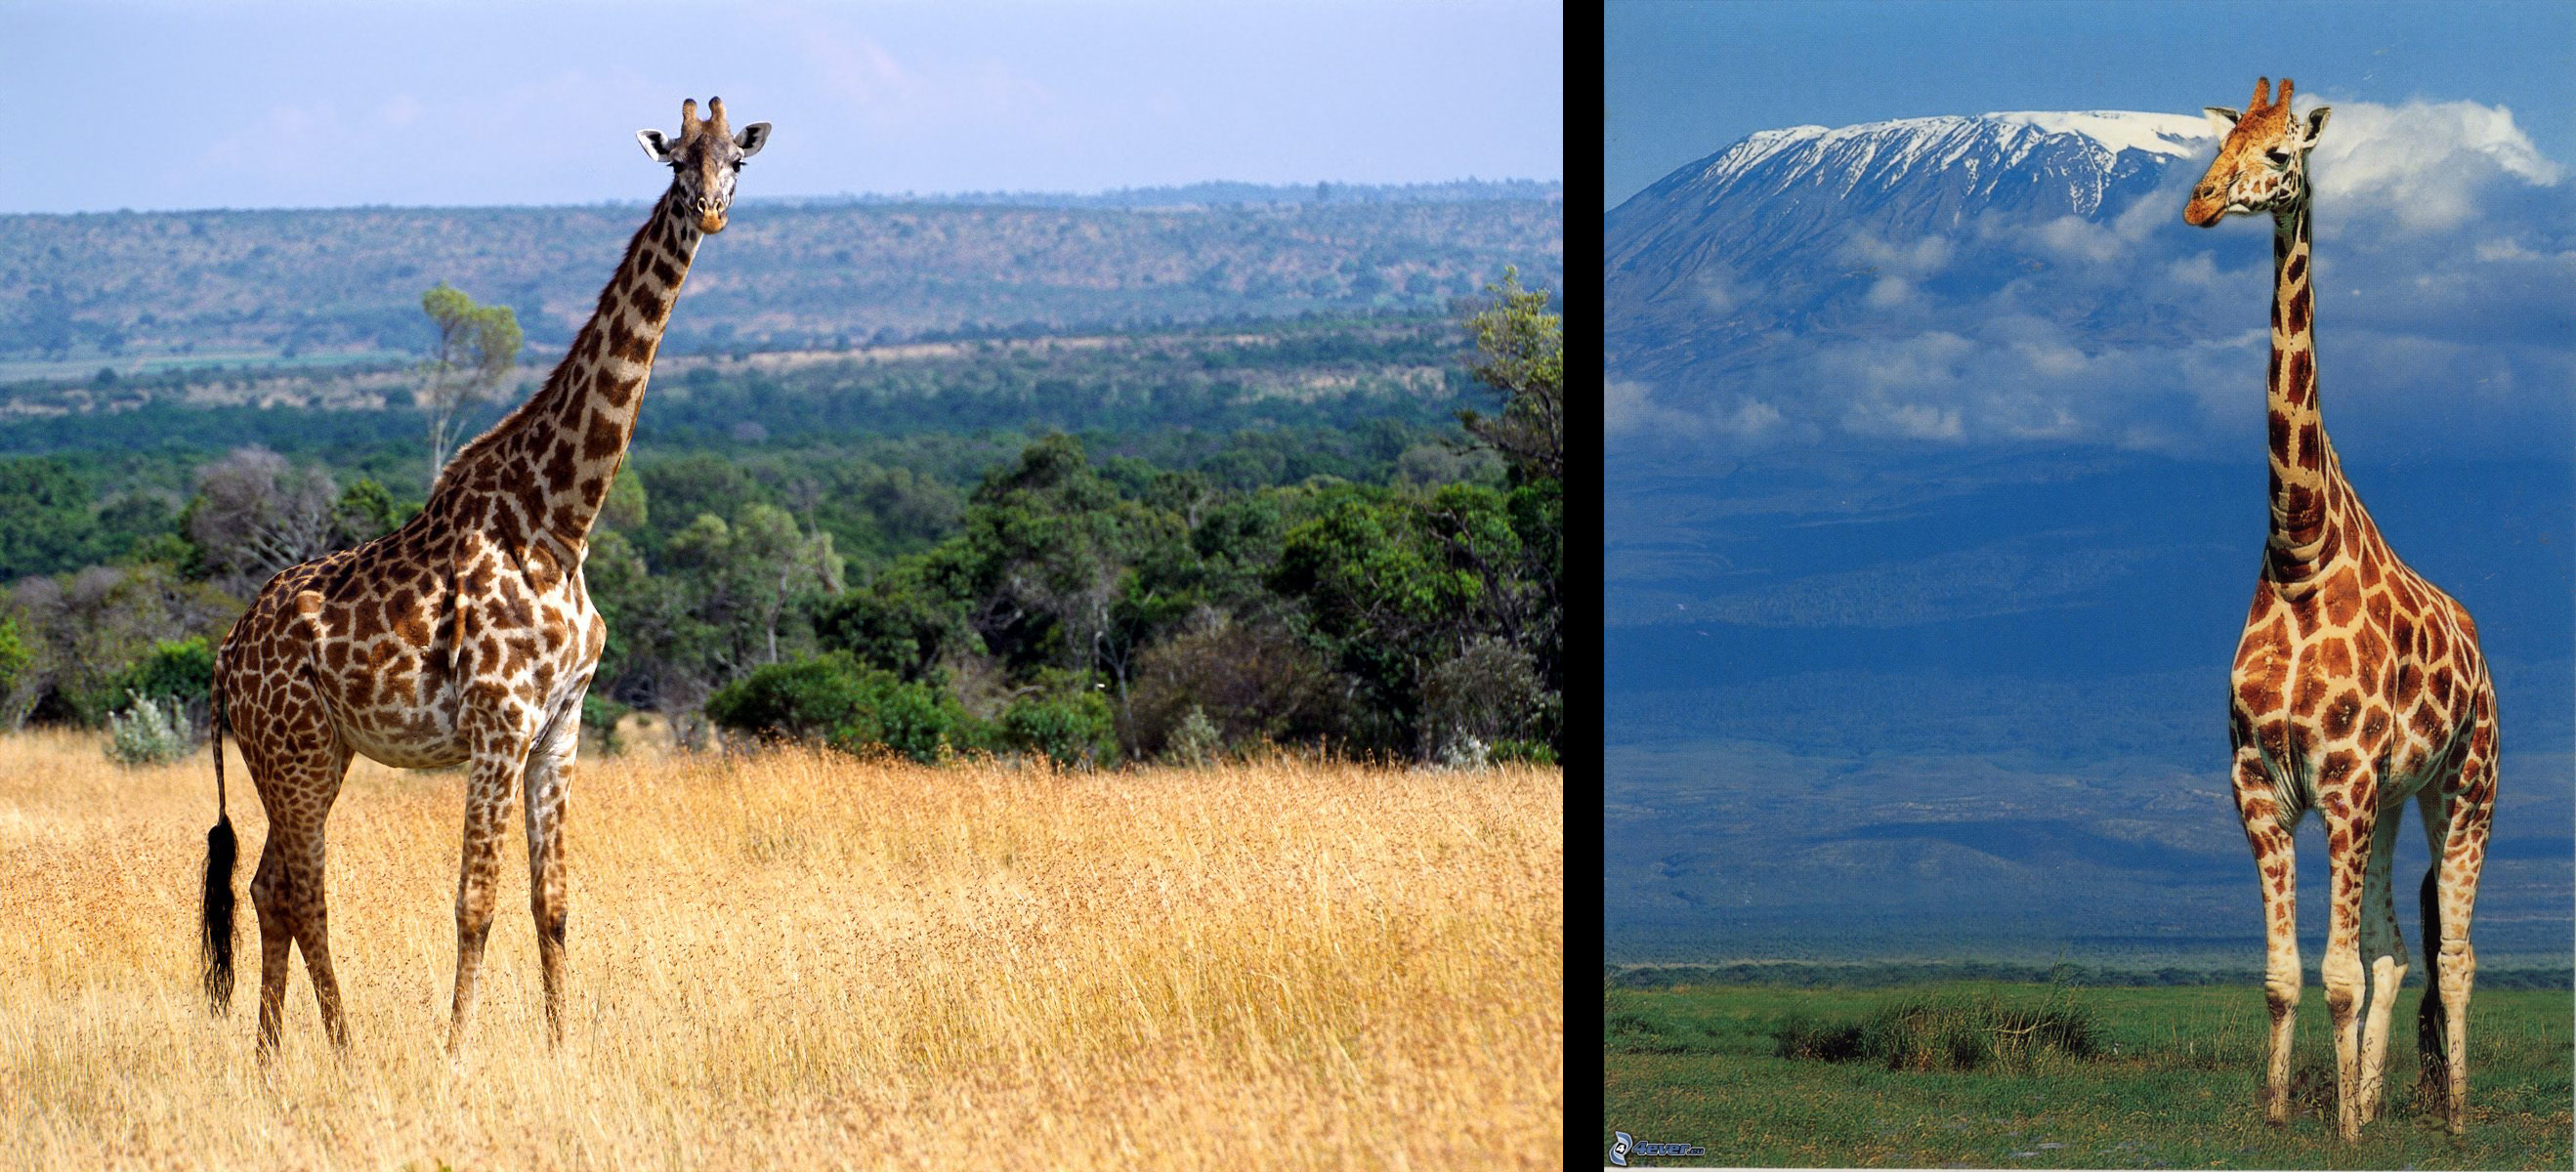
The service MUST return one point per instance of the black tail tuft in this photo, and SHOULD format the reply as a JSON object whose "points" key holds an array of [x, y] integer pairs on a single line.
{"points": [[2431, 1027], [220, 850]]}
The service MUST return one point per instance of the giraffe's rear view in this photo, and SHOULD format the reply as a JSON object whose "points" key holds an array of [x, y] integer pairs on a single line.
{"points": [[466, 636], [2357, 685]]}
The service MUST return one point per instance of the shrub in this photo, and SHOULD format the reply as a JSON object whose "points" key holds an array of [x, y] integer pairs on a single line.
{"points": [[1520, 753], [801, 700], [1196, 742], [148, 732], [601, 715], [1489, 693], [1073, 729], [1801, 1036], [1463, 751], [181, 669], [1927, 1034], [834, 700], [1250, 680]]}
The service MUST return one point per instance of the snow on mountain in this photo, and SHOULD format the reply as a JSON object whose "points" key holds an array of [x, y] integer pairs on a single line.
{"points": [[2125, 130], [1812, 227]]}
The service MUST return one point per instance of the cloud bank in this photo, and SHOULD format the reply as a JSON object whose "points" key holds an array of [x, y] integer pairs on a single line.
{"points": [[2446, 281]]}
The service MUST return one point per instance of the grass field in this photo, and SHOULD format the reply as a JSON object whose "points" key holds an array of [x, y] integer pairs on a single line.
{"points": [[798, 959], [2172, 1087]]}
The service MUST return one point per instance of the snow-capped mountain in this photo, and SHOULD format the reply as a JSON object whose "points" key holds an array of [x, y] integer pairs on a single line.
{"points": [[1798, 227]]}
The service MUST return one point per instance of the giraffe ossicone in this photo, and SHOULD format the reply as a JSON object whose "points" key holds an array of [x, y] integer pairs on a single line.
{"points": [[467, 636], [2357, 685]]}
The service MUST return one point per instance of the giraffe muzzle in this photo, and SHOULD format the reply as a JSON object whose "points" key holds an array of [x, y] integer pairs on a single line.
{"points": [[711, 220]]}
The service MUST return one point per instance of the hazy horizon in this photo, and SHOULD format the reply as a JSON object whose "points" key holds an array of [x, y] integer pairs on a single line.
{"points": [[959, 196], [238, 105]]}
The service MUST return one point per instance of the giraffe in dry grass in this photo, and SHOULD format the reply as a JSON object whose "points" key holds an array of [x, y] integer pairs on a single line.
{"points": [[2357, 685], [466, 636]]}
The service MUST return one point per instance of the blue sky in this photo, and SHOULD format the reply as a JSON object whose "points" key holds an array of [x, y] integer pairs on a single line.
{"points": [[1687, 79], [232, 104]]}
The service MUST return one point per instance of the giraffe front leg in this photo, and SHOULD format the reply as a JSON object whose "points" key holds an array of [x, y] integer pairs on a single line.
{"points": [[2350, 823], [549, 783], [487, 817], [2267, 829], [2384, 951]]}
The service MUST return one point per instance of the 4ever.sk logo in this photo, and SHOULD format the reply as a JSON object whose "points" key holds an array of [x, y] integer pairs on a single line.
{"points": [[1627, 1145]]}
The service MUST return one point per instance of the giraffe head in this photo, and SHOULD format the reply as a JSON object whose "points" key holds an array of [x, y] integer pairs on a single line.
{"points": [[704, 159], [2263, 164]]}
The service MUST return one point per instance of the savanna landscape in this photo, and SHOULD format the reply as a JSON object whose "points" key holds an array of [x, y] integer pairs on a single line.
{"points": [[1936, 1073], [1059, 678], [798, 957]]}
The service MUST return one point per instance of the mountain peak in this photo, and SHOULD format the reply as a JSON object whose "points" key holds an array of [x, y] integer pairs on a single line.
{"points": [[2121, 130]]}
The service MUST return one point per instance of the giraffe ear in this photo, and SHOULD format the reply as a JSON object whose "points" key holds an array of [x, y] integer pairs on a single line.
{"points": [[2221, 114], [752, 138], [2317, 123], [655, 145]]}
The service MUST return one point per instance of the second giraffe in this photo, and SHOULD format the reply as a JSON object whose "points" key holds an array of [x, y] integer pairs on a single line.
{"points": [[2357, 685]]}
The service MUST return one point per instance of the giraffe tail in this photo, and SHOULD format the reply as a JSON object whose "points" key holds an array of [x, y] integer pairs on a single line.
{"points": [[220, 853], [2431, 1021]]}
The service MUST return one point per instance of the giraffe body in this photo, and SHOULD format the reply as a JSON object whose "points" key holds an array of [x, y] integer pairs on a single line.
{"points": [[465, 637], [2357, 686]]}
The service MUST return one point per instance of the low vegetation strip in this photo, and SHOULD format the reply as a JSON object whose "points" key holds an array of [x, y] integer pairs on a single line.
{"points": [[1887, 974], [2145, 1077], [801, 959]]}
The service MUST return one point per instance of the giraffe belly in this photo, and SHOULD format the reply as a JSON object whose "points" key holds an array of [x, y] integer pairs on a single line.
{"points": [[413, 728]]}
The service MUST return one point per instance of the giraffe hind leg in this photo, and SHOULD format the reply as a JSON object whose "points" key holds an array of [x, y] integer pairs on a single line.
{"points": [[313, 936], [2431, 1027], [2462, 857], [2384, 951], [270, 891], [547, 784]]}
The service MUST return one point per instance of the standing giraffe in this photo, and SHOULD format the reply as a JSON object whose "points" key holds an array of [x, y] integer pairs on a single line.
{"points": [[2357, 685], [467, 635]]}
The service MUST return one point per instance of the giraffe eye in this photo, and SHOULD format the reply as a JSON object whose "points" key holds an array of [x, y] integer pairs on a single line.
{"points": [[2279, 157]]}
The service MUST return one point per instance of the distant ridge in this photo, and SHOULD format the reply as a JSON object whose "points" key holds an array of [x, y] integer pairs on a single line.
{"points": [[1211, 194]]}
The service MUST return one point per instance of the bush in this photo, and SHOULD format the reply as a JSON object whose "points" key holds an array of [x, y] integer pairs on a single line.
{"points": [[175, 669], [1251, 681], [1927, 1034], [1490, 693], [601, 716], [1196, 742], [834, 700], [1520, 753], [148, 732], [1074, 729], [1801, 1036], [802, 700]]}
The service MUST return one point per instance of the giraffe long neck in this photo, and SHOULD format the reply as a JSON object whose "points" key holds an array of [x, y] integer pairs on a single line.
{"points": [[549, 463], [2304, 533]]}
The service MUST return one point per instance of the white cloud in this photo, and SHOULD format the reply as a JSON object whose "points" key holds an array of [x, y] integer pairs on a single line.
{"points": [[1889, 292], [1915, 259], [2425, 163], [1921, 421]]}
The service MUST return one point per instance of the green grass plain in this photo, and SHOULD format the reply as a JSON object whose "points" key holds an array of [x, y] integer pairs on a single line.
{"points": [[2174, 1086]]}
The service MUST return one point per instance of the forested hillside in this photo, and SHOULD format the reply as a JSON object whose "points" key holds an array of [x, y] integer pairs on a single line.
{"points": [[1166, 543], [133, 292]]}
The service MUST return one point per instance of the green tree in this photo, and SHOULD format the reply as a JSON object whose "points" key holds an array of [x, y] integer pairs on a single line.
{"points": [[365, 513], [45, 522], [477, 345], [1395, 585], [1520, 351]]}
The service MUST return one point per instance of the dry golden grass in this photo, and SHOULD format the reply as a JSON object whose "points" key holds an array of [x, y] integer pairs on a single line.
{"points": [[802, 960]]}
